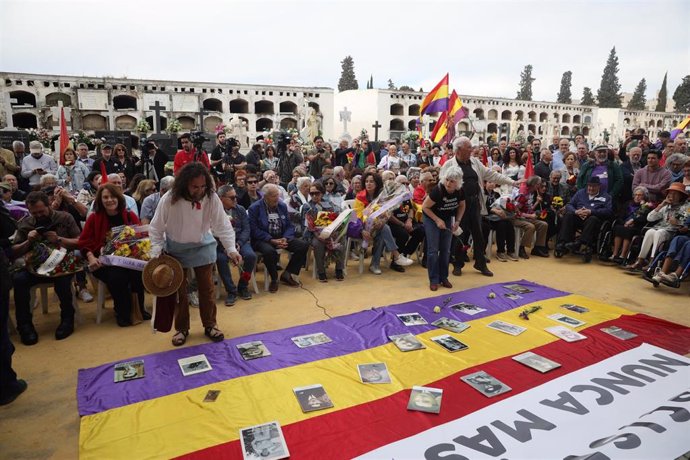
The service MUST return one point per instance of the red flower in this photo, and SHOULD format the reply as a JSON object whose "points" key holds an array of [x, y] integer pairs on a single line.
{"points": [[332, 216], [246, 276]]}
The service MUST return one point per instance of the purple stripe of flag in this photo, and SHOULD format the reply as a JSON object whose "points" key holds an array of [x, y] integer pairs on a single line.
{"points": [[96, 391], [439, 105]]}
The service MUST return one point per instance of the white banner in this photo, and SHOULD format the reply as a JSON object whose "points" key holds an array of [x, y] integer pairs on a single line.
{"points": [[635, 405]]}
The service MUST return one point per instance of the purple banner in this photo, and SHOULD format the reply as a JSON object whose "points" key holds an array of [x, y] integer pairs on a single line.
{"points": [[96, 391]]}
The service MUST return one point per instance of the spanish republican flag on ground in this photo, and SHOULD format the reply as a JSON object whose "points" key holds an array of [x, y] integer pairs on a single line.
{"points": [[437, 99], [607, 383]]}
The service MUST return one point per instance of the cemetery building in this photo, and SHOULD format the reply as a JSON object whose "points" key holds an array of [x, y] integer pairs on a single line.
{"points": [[119, 104], [98, 104], [397, 112]]}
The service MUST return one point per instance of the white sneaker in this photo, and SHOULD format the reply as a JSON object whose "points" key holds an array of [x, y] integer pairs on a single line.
{"points": [[403, 261], [85, 296], [374, 269]]}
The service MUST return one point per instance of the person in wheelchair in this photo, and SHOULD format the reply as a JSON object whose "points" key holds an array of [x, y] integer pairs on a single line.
{"points": [[631, 225], [587, 210], [676, 262], [668, 218]]}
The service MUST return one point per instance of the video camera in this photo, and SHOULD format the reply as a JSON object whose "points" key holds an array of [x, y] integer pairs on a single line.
{"points": [[283, 141], [198, 138]]}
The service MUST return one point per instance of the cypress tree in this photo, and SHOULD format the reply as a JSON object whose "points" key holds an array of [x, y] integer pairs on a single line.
{"points": [[347, 76], [638, 100], [681, 96], [661, 100], [564, 94], [587, 97], [525, 91], [608, 94]]}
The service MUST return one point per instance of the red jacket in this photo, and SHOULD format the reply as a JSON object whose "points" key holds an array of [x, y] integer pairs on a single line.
{"points": [[97, 225], [182, 158]]}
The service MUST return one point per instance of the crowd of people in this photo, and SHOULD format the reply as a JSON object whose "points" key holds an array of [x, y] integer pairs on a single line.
{"points": [[227, 209]]}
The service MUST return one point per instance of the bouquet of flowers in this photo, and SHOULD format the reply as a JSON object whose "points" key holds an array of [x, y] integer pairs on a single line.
{"points": [[506, 204], [377, 213], [127, 246], [557, 203], [221, 128], [47, 259], [143, 127], [174, 126], [330, 227], [41, 135]]}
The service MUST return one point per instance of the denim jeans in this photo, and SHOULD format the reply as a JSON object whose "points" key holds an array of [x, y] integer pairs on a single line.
{"points": [[437, 250], [225, 273], [383, 240]]}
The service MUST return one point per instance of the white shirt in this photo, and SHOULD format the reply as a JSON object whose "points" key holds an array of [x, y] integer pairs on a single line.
{"points": [[182, 222]]}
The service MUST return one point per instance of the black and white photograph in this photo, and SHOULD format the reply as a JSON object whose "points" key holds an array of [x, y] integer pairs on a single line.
{"points": [[467, 308], [194, 365], [451, 324], [517, 288], [565, 333], [486, 384], [309, 340], [507, 328], [567, 320], [131, 370], [312, 397], [263, 442], [536, 362], [406, 342], [619, 333], [374, 373], [575, 308], [253, 350], [512, 296], [412, 319], [449, 342], [425, 399]]}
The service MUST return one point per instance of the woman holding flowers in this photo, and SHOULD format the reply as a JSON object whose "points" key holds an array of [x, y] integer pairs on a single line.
{"points": [[72, 174], [110, 210], [318, 214]]}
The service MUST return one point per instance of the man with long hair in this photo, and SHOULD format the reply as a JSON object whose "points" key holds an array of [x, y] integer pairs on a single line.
{"points": [[186, 221]]}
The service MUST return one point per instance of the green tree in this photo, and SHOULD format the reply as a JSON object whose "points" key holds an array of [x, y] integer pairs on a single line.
{"points": [[370, 82], [681, 96], [347, 75], [391, 85], [587, 97], [661, 99], [406, 88], [609, 89], [638, 100], [564, 94], [525, 91]]}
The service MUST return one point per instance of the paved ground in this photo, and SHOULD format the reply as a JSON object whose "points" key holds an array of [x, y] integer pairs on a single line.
{"points": [[43, 422]]}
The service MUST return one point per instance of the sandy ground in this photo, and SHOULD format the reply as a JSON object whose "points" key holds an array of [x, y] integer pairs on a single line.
{"points": [[43, 422]]}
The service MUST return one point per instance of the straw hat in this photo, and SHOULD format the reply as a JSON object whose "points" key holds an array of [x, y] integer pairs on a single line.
{"points": [[677, 187], [162, 276]]}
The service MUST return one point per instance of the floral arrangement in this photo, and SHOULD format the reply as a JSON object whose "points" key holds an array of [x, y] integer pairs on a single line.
{"points": [[363, 135], [174, 126], [557, 202], [42, 135], [143, 127], [128, 241], [47, 259], [331, 227], [506, 205], [98, 141], [221, 128], [80, 137], [410, 136], [325, 218]]}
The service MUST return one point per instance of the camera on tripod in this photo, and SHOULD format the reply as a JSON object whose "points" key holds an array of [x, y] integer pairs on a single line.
{"points": [[198, 138]]}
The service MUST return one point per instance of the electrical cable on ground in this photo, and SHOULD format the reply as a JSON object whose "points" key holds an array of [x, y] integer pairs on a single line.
{"points": [[316, 300]]}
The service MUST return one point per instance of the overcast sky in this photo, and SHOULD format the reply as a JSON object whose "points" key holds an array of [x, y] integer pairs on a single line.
{"points": [[483, 44]]}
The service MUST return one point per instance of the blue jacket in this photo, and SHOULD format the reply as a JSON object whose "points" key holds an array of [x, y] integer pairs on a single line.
{"points": [[601, 205], [258, 221], [240, 223]]}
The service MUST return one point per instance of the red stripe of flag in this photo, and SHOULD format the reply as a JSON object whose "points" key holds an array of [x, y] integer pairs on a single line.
{"points": [[64, 137], [369, 426]]}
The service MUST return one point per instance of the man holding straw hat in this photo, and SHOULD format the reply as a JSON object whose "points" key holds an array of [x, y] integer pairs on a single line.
{"points": [[186, 221]]}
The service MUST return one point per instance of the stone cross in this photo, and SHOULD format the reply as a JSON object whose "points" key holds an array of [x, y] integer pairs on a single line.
{"points": [[345, 117], [376, 127], [157, 108], [55, 111], [8, 101]]}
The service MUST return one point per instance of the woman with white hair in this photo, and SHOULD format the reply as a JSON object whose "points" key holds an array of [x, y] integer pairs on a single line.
{"points": [[443, 209]]}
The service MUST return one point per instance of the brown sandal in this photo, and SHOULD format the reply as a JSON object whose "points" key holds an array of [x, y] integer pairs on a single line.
{"points": [[214, 333], [179, 338]]}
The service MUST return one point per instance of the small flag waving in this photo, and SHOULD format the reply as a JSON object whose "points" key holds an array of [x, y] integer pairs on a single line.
{"points": [[679, 129], [444, 131], [437, 99], [64, 137]]}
